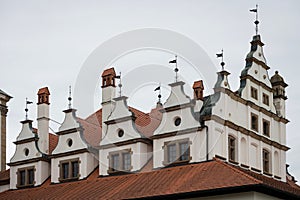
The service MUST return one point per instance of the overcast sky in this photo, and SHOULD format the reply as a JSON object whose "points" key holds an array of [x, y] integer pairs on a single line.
{"points": [[47, 43]]}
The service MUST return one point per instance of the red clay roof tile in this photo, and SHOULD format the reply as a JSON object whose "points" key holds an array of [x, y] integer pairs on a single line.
{"points": [[198, 177]]}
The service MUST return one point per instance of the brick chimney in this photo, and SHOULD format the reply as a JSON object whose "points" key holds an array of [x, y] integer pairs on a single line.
{"points": [[198, 90], [43, 119]]}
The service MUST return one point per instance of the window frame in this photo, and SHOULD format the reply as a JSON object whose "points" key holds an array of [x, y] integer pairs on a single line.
{"points": [[178, 152], [266, 159], [267, 133], [27, 177], [70, 176], [266, 99], [121, 162], [256, 124], [232, 149], [254, 93]]}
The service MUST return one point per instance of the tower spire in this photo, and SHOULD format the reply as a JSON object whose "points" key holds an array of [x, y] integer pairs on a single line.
{"points": [[256, 22]]}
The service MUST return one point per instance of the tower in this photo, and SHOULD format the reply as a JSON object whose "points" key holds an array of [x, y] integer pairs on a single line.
{"points": [[279, 96], [43, 119], [4, 98]]}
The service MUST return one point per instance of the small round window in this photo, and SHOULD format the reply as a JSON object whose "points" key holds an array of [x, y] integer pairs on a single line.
{"points": [[120, 133], [177, 121], [26, 152], [70, 142]]}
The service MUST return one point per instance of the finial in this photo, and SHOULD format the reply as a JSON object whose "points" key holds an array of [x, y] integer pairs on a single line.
{"points": [[26, 108], [70, 97], [120, 84], [159, 94], [221, 55], [256, 22], [176, 68]]}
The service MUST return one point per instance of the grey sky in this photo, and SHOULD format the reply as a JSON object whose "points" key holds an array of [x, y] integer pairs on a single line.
{"points": [[45, 43]]}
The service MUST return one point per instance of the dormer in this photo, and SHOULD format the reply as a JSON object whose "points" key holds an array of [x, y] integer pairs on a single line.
{"points": [[177, 138], [29, 167], [122, 149], [72, 158]]}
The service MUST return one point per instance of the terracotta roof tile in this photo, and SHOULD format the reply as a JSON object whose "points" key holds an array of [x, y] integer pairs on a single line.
{"points": [[92, 132], [53, 140], [200, 177], [198, 84], [110, 71], [43, 90], [4, 177]]}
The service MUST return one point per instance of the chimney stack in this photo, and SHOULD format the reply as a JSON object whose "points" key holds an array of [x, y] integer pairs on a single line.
{"points": [[43, 119], [108, 93], [198, 90]]}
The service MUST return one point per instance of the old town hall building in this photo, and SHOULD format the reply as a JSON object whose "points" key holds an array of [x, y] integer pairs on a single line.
{"points": [[227, 145]]}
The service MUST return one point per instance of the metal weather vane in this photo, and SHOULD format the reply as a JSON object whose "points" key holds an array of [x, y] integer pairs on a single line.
{"points": [[221, 55], [256, 22], [159, 94], [120, 84], [70, 97], [176, 68], [26, 108]]}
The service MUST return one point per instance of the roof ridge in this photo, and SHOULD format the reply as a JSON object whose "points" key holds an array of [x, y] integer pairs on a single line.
{"points": [[237, 170]]}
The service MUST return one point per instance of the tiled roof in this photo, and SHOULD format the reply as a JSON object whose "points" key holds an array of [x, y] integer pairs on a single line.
{"points": [[199, 179], [92, 132], [4, 177], [53, 140], [43, 90], [110, 71], [145, 123]]}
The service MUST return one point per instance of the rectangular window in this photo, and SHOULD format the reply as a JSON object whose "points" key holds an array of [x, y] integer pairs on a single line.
{"points": [[184, 151], [266, 161], [177, 151], [254, 122], [115, 162], [265, 99], [126, 161], [69, 169], [231, 148], [25, 177], [171, 153], [266, 128], [254, 93], [120, 161]]}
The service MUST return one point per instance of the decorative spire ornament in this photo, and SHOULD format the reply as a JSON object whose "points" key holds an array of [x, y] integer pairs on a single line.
{"points": [[26, 108], [70, 97], [159, 94], [256, 22], [221, 55], [120, 84], [176, 68]]}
